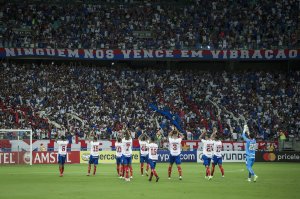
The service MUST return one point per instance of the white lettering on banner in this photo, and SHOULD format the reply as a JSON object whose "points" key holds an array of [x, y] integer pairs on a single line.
{"points": [[164, 157], [50, 52], [19, 51], [7, 158], [184, 53], [47, 158], [110, 54], [215, 53], [126, 53], [148, 53], [269, 54], [88, 53], [19, 145], [256, 54], [280, 54], [10, 52], [293, 53], [28, 51], [234, 54], [137, 54], [244, 54], [99, 54], [73, 53], [61, 52], [159, 53], [39, 51], [225, 54], [197, 54], [169, 53], [227, 156]]}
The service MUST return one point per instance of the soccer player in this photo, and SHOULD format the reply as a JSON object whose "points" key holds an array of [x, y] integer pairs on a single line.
{"points": [[127, 154], [118, 146], [153, 157], [175, 139], [144, 152], [217, 155], [250, 152], [62, 153], [207, 153], [94, 155]]}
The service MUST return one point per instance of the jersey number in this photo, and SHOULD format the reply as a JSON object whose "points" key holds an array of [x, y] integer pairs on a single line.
{"points": [[175, 147], [144, 148], [128, 146], [153, 151], [219, 148], [63, 148], [209, 148], [96, 148], [252, 147], [119, 149]]}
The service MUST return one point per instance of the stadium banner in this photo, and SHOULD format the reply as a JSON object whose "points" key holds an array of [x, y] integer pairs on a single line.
{"points": [[82, 145], [227, 156], [37, 157], [117, 54], [283, 156], [107, 157], [230, 145], [185, 156]]}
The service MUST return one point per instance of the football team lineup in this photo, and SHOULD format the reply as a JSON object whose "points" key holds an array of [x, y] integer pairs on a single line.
{"points": [[212, 154]]}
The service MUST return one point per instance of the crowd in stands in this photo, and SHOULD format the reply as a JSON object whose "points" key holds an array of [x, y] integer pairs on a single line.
{"points": [[192, 24], [74, 100]]}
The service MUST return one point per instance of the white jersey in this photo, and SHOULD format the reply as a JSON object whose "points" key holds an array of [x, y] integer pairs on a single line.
{"points": [[208, 147], [175, 146], [143, 148], [217, 148], [153, 151], [94, 148], [118, 146], [127, 147], [62, 147]]}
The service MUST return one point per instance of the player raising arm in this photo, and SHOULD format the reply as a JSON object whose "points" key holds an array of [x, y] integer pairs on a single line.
{"points": [[250, 152], [127, 154], [207, 152], [62, 153], [217, 154], [118, 146], [94, 155], [153, 157], [143, 138], [175, 139]]}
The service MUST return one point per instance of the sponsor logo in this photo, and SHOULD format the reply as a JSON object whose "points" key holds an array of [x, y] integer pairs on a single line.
{"points": [[269, 157], [85, 156]]}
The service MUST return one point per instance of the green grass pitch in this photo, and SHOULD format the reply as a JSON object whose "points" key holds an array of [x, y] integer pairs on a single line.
{"points": [[276, 180]]}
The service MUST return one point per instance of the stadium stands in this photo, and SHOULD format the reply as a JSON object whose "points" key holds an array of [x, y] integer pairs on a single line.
{"points": [[76, 100], [185, 24]]}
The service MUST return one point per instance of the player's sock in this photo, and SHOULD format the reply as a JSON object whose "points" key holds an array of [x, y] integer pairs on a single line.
{"points": [[213, 169], [147, 168], [60, 170], [154, 172], [89, 169], [95, 168], [118, 169], [126, 171], [130, 169], [169, 171], [222, 169], [142, 168], [179, 170], [208, 171], [123, 170], [151, 175], [249, 175]]}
